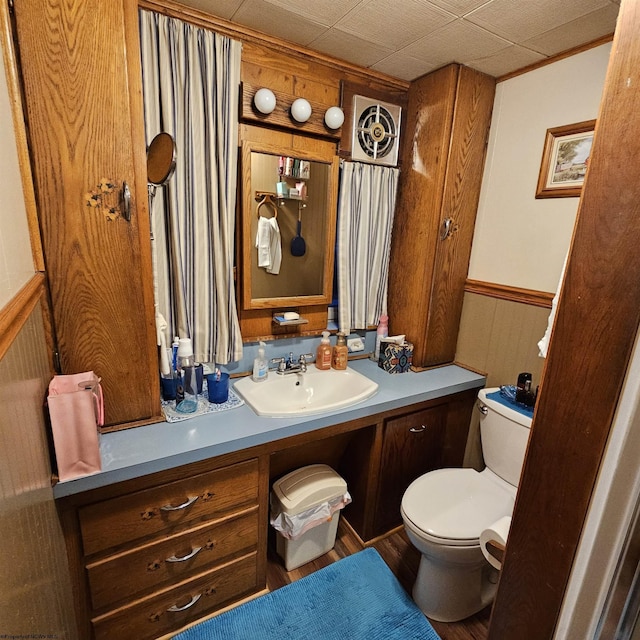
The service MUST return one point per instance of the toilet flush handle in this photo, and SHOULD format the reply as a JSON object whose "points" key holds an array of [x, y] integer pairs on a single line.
{"points": [[483, 409]]}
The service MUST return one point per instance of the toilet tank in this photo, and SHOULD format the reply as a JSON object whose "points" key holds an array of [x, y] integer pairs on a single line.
{"points": [[504, 433]]}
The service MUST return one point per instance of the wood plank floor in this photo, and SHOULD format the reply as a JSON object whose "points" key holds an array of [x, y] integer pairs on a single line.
{"points": [[401, 557]]}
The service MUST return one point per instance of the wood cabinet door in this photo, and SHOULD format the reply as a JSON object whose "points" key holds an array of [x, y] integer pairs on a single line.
{"points": [[461, 193], [412, 445], [448, 118], [81, 73]]}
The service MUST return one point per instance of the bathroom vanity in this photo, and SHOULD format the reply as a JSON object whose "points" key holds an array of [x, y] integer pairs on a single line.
{"points": [[175, 527]]}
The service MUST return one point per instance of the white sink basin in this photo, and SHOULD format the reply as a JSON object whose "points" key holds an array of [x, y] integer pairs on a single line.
{"points": [[303, 394]]}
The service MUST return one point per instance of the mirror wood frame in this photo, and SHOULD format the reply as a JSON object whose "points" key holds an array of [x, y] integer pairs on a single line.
{"points": [[325, 155]]}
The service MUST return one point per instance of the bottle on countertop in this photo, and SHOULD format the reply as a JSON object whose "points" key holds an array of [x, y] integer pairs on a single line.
{"points": [[186, 394], [260, 365], [524, 395], [340, 353], [185, 353], [381, 332], [323, 353]]}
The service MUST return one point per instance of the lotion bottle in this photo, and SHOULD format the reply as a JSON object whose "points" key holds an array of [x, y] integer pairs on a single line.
{"points": [[381, 332], [260, 365], [340, 352], [323, 353]]}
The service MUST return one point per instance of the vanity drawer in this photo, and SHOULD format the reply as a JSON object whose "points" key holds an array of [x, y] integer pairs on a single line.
{"points": [[172, 608], [165, 508], [171, 559]]}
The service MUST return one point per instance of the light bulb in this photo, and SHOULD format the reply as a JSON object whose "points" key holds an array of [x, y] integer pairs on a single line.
{"points": [[301, 110], [264, 100], [334, 117]]}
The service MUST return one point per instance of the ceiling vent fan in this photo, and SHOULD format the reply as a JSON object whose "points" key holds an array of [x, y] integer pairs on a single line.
{"points": [[376, 131]]}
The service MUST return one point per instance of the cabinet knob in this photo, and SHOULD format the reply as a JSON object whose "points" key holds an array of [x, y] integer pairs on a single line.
{"points": [[419, 429]]}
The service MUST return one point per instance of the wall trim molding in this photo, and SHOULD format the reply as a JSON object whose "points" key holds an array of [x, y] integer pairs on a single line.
{"points": [[557, 57], [513, 294], [14, 315]]}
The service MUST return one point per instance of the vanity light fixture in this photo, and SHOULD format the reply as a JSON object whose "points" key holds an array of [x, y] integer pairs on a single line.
{"points": [[264, 100], [334, 117], [300, 110]]}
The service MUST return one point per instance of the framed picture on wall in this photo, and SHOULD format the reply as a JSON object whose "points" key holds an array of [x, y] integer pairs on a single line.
{"points": [[565, 159]]}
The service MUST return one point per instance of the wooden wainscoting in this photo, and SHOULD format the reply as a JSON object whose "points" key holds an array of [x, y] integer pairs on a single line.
{"points": [[33, 563], [499, 332], [499, 337]]}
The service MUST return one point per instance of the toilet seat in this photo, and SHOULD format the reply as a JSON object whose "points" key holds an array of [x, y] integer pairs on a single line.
{"points": [[453, 506]]}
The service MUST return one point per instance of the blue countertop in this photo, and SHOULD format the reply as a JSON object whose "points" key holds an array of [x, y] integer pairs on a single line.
{"points": [[133, 453]]}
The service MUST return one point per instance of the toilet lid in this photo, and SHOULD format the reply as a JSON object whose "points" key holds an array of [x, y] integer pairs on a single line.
{"points": [[454, 506]]}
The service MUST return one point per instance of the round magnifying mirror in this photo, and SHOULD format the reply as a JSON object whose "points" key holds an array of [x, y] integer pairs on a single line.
{"points": [[161, 159]]}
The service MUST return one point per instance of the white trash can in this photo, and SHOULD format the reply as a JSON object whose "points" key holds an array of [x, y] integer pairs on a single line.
{"points": [[305, 509]]}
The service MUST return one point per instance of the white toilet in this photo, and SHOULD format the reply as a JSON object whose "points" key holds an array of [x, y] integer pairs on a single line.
{"points": [[445, 511]]}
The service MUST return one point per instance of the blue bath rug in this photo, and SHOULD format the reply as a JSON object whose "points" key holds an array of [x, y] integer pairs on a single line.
{"points": [[356, 598]]}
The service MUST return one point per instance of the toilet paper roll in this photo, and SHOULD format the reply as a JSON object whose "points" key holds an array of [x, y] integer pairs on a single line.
{"points": [[497, 532]]}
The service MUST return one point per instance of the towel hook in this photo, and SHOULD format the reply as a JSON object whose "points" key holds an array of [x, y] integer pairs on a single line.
{"points": [[266, 199]]}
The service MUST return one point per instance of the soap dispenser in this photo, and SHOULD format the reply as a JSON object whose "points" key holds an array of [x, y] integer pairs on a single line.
{"points": [[340, 352], [260, 365], [323, 353]]}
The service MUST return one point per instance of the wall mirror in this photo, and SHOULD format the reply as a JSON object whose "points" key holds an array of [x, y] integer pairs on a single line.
{"points": [[298, 189]]}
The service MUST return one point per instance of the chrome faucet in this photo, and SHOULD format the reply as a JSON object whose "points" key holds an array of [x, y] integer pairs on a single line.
{"points": [[291, 365]]}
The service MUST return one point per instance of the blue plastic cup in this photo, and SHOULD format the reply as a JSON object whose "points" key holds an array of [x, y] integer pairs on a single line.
{"points": [[218, 389], [168, 388]]}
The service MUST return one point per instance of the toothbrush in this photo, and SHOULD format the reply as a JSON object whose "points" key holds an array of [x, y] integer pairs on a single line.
{"points": [[174, 354]]}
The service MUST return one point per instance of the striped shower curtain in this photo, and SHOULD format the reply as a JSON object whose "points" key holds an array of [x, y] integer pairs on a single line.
{"points": [[365, 217], [190, 82]]}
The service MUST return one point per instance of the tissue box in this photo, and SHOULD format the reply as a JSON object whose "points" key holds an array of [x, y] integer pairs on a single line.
{"points": [[395, 358]]}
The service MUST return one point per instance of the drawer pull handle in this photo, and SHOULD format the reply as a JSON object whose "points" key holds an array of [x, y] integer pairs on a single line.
{"points": [[180, 507], [176, 609], [418, 429], [194, 552]]}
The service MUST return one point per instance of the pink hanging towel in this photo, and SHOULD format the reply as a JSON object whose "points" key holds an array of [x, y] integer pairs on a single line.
{"points": [[76, 408]]}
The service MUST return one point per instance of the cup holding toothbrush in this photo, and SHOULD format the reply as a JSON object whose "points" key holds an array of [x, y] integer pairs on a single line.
{"points": [[218, 387]]}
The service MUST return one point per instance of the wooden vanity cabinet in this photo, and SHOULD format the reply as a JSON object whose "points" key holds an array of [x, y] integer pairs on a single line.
{"points": [[415, 443], [157, 558], [411, 446], [150, 555]]}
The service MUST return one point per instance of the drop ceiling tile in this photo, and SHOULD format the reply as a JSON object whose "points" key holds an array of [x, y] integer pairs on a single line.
{"points": [[346, 46], [505, 61], [267, 18], [518, 21], [221, 8], [394, 24], [457, 41], [404, 67], [458, 7], [325, 12], [575, 33]]}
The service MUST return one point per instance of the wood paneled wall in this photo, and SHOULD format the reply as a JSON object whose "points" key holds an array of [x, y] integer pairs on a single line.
{"points": [[499, 338], [35, 598]]}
